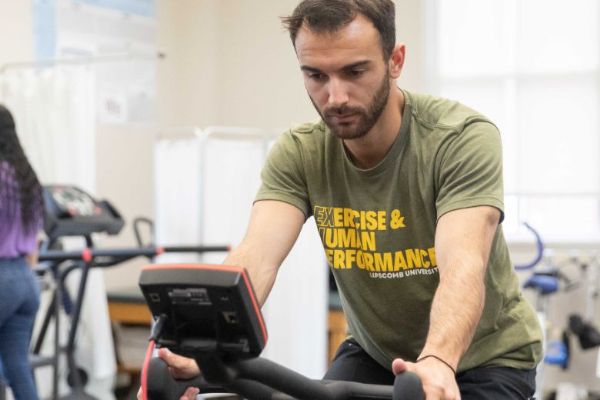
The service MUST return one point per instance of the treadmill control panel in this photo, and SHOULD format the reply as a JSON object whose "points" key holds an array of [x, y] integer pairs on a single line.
{"points": [[70, 211]]}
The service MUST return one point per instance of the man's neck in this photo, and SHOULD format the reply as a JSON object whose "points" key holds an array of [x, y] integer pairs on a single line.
{"points": [[367, 151]]}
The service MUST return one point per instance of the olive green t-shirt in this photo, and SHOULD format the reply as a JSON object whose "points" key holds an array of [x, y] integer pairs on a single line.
{"points": [[378, 227]]}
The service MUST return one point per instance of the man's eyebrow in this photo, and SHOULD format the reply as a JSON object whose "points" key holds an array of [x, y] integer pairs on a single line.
{"points": [[357, 64], [310, 69]]}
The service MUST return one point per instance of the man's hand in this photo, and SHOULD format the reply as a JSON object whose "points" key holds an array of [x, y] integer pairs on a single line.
{"points": [[180, 368], [438, 379]]}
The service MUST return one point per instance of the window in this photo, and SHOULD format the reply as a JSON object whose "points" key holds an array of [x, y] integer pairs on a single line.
{"points": [[532, 66]]}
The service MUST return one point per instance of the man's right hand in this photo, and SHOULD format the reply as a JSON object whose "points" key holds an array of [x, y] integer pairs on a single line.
{"points": [[180, 368]]}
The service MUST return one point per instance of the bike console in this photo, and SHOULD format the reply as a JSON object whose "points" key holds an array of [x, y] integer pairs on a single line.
{"points": [[204, 309]]}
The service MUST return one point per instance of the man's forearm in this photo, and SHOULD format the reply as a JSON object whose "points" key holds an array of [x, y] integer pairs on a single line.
{"points": [[455, 312], [463, 243], [274, 227], [262, 276]]}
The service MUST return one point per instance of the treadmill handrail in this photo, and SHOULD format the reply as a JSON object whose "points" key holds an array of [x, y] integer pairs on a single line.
{"points": [[88, 254]]}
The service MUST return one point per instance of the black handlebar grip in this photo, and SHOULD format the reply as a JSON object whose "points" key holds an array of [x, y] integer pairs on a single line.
{"points": [[162, 386], [407, 386]]}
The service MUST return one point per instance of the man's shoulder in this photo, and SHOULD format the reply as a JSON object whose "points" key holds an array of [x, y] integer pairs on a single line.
{"points": [[312, 129], [301, 141], [437, 112], [308, 135]]}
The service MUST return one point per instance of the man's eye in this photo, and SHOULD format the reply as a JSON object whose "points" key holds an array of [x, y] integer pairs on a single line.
{"points": [[356, 73], [316, 76]]}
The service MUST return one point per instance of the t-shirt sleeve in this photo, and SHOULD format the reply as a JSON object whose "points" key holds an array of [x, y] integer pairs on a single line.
{"points": [[470, 170], [283, 177]]}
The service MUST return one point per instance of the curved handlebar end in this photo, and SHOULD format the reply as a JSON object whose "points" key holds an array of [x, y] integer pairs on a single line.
{"points": [[407, 386], [539, 247], [160, 381], [162, 385]]}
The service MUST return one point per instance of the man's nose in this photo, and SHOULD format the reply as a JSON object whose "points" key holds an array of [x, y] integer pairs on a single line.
{"points": [[338, 93]]}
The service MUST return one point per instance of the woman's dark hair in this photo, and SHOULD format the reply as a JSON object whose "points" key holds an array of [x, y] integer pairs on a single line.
{"points": [[19, 185], [327, 16]]}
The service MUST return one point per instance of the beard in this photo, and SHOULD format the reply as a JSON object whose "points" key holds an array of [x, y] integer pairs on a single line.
{"points": [[362, 119]]}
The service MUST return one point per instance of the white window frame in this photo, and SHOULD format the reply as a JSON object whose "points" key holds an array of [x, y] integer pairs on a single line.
{"points": [[517, 236]]}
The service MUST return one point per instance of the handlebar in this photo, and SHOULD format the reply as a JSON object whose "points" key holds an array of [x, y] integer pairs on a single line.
{"points": [[137, 231], [90, 254], [258, 378], [539, 246], [162, 385], [109, 257]]}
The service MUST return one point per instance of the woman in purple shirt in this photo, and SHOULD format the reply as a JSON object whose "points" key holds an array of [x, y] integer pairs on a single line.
{"points": [[21, 212]]}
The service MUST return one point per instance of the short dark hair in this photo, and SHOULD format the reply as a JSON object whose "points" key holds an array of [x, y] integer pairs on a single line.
{"points": [[328, 16]]}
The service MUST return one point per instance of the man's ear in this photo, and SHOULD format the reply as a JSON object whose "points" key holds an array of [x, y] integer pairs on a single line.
{"points": [[397, 60]]}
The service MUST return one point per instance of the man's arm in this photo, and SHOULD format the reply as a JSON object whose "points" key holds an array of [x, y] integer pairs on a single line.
{"points": [[462, 242], [273, 229]]}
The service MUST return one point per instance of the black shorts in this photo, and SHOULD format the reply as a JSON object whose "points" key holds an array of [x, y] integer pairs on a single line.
{"points": [[352, 363]]}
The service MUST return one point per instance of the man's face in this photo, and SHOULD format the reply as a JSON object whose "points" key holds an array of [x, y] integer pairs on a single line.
{"points": [[345, 76]]}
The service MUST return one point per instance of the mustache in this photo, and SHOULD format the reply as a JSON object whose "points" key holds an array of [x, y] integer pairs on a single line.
{"points": [[341, 111]]}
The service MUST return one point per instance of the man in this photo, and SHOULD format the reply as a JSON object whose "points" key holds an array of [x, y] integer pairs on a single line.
{"points": [[406, 191]]}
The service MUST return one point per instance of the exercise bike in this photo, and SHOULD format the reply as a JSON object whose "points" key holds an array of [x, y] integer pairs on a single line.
{"points": [[210, 313]]}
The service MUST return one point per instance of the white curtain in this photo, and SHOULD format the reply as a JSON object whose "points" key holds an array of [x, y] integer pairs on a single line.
{"points": [[54, 111], [177, 174]]}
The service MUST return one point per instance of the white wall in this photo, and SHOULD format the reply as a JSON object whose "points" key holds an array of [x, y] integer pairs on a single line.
{"points": [[188, 81], [259, 79], [124, 176], [410, 30], [16, 31]]}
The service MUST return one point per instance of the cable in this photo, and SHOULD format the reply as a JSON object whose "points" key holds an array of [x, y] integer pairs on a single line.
{"points": [[149, 352], [157, 328]]}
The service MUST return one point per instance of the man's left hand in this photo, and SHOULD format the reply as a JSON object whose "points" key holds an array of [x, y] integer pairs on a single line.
{"points": [[439, 382]]}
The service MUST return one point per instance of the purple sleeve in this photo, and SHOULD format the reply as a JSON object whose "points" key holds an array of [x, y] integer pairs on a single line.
{"points": [[14, 240]]}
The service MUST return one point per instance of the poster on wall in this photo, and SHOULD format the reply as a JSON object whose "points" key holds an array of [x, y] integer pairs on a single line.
{"points": [[114, 39]]}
